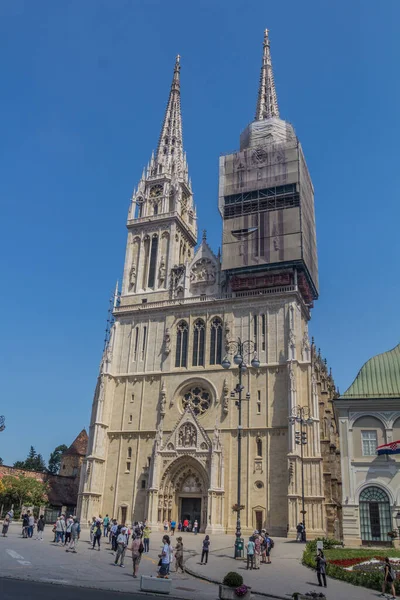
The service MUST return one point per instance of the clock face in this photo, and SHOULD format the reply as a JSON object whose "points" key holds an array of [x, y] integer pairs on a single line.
{"points": [[156, 191]]}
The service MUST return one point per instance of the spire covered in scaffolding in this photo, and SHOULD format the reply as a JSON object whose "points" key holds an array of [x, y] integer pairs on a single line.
{"points": [[170, 144], [267, 103]]}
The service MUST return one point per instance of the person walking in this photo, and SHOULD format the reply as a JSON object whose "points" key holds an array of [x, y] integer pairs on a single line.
{"points": [[114, 535], [106, 521], [195, 527], [122, 542], [263, 548], [68, 527], [173, 526], [269, 543], [166, 525], [257, 550], [185, 524], [75, 533], [97, 535], [91, 529], [60, 529], [299, 535], [31, 525], [250, 554], [146, 538], [6, 524], [205, 550], [137, 548], [40, 528], [180, 526], [321, 568], [179, 555], [165, 557], [389, 579]]}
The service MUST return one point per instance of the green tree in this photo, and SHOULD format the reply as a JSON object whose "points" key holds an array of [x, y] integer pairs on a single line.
{"points": [[33, 462], [1, 461], [55, 459], [23, 490]]}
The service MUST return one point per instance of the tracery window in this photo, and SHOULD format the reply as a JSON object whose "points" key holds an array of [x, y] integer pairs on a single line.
{"points": [[198, 343], [216, 342], [181, 344], [199, 399]]}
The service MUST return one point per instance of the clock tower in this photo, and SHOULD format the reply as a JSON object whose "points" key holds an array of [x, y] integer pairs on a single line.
{"points": [[162, 228]]}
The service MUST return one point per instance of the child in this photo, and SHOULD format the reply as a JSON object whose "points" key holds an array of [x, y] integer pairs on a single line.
{"points": [[179, 555], [204, 553]]}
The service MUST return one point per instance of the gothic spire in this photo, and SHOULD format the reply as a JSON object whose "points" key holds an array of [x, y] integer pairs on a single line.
{"points": [[170, 144], [267, 103]]}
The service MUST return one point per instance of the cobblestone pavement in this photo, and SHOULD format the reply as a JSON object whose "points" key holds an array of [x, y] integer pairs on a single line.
{"points": [[49, 563]]}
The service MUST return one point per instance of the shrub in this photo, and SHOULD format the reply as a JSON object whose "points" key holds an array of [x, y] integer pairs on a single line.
{"points": [[328, 543], [233, 579]]}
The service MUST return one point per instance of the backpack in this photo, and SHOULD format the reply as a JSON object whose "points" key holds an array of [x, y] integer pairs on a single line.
{"points": [[271, 543]]}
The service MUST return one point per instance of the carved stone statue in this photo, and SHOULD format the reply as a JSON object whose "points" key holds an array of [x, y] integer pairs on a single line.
{"points": [[227, 333], [216, 437], [167, 341], [163, 399], [132, 276], [162, 271], [225, 391], [203, 271], [187, 436]]}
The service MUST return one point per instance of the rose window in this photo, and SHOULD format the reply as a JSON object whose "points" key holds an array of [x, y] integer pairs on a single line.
{"points": [[198, 399]]}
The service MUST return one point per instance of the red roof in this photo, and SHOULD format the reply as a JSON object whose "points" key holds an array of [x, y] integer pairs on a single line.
{"points": [[79, 445]]}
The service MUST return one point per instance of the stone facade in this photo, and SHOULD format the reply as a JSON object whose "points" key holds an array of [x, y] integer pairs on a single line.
{"points": [[72, 458], [164, 428], [325, 389]]}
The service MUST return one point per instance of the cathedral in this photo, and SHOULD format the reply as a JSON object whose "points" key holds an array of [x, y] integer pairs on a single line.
{"points": [[164, 429]]}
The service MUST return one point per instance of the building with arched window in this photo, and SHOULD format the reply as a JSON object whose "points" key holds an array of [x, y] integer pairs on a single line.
{"points": [[368, 415], [164, 428]]}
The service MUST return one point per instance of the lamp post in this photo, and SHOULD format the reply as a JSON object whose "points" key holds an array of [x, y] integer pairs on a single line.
{"points": [[301, 415], [241, 352]]}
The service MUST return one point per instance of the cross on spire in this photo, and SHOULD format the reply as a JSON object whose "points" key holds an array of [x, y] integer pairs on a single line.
{"points": [[267, 103]]}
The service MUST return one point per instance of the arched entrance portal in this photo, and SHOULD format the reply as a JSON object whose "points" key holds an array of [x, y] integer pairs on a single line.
{"points": [[183, 492], [375, 519]]}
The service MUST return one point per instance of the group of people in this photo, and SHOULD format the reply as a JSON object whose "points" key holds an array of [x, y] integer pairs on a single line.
{"points": [[259, 548], [67, 532], [183, 525]]}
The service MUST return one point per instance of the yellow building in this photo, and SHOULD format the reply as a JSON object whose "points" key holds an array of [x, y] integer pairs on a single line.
{"points": [[164, 428]]}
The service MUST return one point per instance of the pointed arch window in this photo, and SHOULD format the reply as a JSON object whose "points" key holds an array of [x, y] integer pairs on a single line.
{"points": [[216, 342], [198, 343], [181, 344], [155, 208], [259, 447], [129, 452], [153, 260]]}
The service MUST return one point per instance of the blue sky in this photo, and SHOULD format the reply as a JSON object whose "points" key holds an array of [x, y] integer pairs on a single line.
{"points": [[84, 86]]}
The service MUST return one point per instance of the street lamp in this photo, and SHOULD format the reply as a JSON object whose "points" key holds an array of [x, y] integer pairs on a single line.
{"points": [[301, 415], [241, 352]]}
